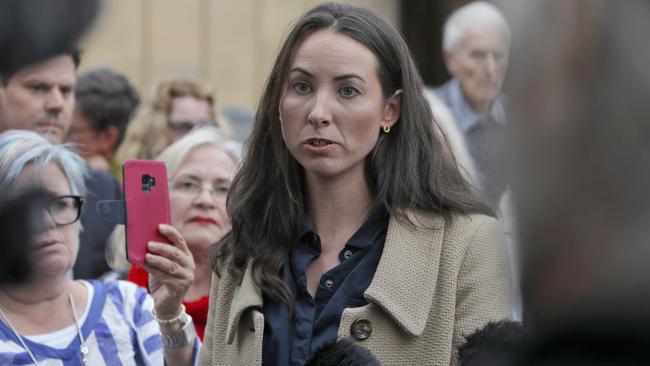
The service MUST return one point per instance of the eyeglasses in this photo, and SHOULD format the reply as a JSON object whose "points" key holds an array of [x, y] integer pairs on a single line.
{"points": [[183, 127], [65, 210], [191, 187]]}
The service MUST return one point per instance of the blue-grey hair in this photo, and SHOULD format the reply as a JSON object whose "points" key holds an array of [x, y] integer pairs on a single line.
{"points": [[19, 148]]}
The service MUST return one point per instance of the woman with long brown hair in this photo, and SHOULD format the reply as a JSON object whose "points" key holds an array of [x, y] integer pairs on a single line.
{"points": [[348, 216]]}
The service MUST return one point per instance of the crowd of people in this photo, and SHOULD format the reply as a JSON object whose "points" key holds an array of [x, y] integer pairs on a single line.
{"points": [[367, 219]]}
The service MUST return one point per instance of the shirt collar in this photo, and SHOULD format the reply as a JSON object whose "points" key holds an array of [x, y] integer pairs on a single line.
{"points": [[463, 111], [374, 226], [418, 266]]}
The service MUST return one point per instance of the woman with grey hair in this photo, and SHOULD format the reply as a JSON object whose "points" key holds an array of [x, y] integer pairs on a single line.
{"points": [[52, 319], [200, 168]]}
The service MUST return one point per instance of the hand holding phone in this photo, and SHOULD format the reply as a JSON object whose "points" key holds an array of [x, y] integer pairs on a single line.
{"points": [[146, 199]]}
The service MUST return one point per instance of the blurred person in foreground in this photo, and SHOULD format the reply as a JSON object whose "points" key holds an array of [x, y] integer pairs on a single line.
{"points": [[580, 115], [105, 103], [200, 168], [53, 317], [348, 219], [476, 42], [178, 106], [41, 97], [31, 31]]}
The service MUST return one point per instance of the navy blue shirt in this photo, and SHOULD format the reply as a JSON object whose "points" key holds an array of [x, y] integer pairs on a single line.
{"points": [[316, 319]]}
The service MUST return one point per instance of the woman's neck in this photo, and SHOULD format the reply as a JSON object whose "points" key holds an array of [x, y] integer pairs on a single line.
{"points": [[38, 289], [41, 306], [337, 209], [200, 287]]}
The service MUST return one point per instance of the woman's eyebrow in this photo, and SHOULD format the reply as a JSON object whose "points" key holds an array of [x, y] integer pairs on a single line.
{"points": [[336, 78], [349, 76], [302, 71]]}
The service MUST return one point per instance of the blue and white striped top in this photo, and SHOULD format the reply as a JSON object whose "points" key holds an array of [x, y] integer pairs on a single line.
{"points": [[117, 327]]}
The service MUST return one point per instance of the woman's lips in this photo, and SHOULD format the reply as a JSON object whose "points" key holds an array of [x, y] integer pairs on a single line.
{"points": [[319, 145], [46, 243], [203, 221]]}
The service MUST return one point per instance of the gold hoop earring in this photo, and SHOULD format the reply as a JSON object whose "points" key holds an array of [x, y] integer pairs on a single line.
{"points": [[386, 128]]}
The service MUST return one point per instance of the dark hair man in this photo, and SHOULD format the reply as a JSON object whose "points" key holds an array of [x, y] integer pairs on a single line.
{"points": [[105, 103]]}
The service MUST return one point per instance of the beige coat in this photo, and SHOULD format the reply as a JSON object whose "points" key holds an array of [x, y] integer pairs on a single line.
{"points": [[435, 283]]}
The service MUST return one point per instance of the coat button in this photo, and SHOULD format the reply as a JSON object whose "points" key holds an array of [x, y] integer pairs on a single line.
{"points": [[361, 329]]}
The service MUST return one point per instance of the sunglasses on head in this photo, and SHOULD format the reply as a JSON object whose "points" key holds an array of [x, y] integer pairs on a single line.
{"points": [[181, 127]]}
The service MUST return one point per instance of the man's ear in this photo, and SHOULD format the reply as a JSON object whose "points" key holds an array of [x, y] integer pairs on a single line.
{"points": [[393, 109], [107, 140]]}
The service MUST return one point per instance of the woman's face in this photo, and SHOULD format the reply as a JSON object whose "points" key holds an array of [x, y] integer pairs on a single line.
{"points": [[186, 113], [56, 247], [333, 107], [198, 197]]}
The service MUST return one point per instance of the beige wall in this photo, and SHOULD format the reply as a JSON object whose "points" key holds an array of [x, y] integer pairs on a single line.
{"points": [[230, 44]]}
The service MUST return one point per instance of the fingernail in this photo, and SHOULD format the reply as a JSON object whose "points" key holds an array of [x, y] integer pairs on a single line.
{"points": [[162, 226], [151, 245]]}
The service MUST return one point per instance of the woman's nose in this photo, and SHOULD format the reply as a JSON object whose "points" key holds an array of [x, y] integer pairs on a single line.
{"points": [[207, 197], [320, 113]]}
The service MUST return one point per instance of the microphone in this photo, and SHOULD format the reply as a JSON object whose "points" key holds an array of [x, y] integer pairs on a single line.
{"points": [[343, 352]]}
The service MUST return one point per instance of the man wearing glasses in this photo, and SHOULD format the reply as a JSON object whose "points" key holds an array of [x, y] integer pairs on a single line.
{"points": [[41, 97]]}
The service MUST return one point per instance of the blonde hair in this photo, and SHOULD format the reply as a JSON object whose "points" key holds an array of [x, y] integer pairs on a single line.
{"points": [[146, 135], [175, 153]]}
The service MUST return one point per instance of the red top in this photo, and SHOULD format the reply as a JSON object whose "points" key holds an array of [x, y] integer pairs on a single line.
{"points": [[197, 309]]}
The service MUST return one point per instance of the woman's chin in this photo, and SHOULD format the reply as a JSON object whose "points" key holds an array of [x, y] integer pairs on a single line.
{"points": [[200, 244], [52, 267]]}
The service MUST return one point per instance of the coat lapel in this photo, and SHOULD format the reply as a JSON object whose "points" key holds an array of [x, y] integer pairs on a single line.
{"points": [[245, 296], [405, 282]]}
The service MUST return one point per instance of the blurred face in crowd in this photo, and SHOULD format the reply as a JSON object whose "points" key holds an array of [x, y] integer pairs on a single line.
{"points": [[40, 98], [187, 112], [198, 197], [333, 107], [82, 133], [90, 142], [480, 62], [56, 246]]}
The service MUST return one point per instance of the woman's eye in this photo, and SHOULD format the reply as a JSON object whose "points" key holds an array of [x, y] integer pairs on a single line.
{"points": [[60, 205], [188, 185], [348, 91], [222, 189], [301, 88]]}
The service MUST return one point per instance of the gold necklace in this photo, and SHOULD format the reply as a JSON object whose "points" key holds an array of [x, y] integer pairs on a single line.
{"points": [[83, 349]]}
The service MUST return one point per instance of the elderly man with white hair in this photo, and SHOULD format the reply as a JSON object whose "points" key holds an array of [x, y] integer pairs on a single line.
{"points": [[476, 41]]}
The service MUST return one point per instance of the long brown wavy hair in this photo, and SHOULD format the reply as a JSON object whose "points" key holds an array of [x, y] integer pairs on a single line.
{"points": [[408, 169]]}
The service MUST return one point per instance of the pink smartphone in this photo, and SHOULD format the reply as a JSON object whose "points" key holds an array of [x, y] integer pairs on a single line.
{"points": [[146, 197]]}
